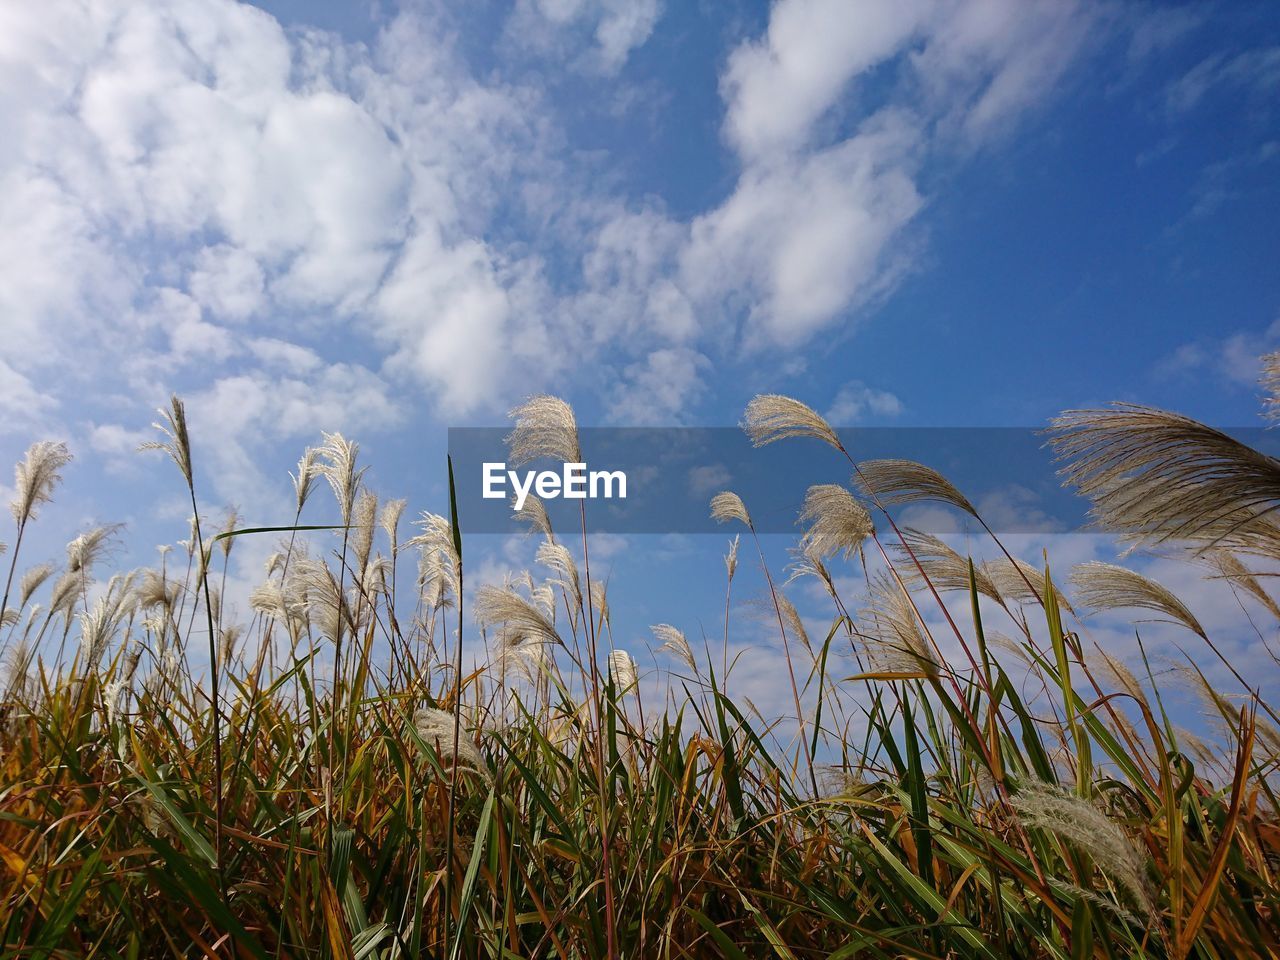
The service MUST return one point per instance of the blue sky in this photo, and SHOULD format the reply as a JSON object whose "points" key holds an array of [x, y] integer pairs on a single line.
{"points": [[388, 219]]}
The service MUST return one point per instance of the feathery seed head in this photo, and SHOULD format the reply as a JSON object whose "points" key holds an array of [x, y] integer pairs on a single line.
{"points": [[895, 642], [837, 522], [177, 443], [515, 619], [534, 512], [31, 581], [1270, 381], [622, 671], [727, 505], [304, 481], [35, 477], [545, 427], [674, 642], [229, 525], [1106, 586], [439, 729], [337, 464], [1155, 477], [389, 520], [942, 566], [560, 560], [1020, 581], [904, 481], [87, 549], [791, 618], [731, 558], [363, 519], [770, 417], [1048, 807], [439, 566]]}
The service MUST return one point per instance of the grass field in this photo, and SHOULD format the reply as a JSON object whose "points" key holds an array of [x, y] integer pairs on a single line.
{"points": [[336, 787]]}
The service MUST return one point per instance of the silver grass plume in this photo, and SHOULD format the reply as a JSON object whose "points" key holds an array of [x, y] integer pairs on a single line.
{"points": [[622, 670], [600, 600], [894, 482], [545, 427], [439, 567], [10, 616], [363, 519], [35, 477], [32, 581], [215, 603], [534, 513], [65, 592], [376, 572], [560, 560], [99, 625], [731, 558], [1020, 581], [1156, 477], [285, 602], [771, 417], [439, 729], [1122, 675], [529, 659], [339, 468], [433, 582], [838, 524], [274, 564], [326, 606], [229, 525], [727, 505], [944, 567], [895, 642], [1105, 586], [228, 642], [304, 481], [791, 617], [114, 693], [177, 443], [1241, 576], [515, 619], [88, 548], [389, 521], [1048, 807], [810, 564], [1270, 381], [153, 589], [674, 642]]}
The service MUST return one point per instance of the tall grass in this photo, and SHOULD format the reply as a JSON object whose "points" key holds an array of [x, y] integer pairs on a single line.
{"points": [[345, 785]]}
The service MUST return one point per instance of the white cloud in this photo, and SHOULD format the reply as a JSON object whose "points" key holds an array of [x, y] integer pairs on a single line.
{"points": [[779, 86], [817, 224], [22, 405], [807, 237], [854, 401], [229, 281], [615, 28], [1234, 359], [659, 389], [1255, 72]]}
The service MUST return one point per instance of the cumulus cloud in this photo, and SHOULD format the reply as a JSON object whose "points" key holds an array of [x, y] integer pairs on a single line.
{"points": [[854, 401], [615, 28], [833, 113]]}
